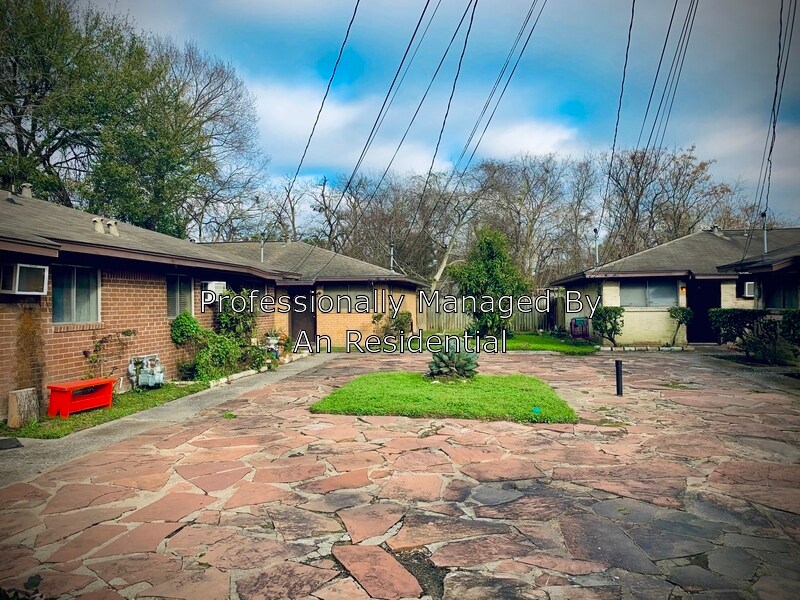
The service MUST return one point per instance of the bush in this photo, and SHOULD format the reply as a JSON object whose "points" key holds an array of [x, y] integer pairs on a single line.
{"points": [[254, 357], [453, 364], [219, 356], [607, 322], [402, 323], [682, 315], [185, 329], [239, 325], [757, 332], [732, 324]]}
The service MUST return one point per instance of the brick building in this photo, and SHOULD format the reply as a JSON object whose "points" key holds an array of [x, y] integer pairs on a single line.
{"points": [[69, 279]]}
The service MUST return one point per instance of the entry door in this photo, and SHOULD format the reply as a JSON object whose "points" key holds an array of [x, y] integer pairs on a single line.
{"points": [[701, 296], [303, 321]]}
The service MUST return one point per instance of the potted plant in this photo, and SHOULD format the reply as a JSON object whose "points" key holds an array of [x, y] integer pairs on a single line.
{"points": [[272, 338]]}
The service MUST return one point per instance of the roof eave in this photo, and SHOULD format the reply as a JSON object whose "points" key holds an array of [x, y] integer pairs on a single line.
{"points": [[169, 259]]}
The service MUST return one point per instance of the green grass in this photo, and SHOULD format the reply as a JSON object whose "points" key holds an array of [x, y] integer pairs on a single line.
{"points": [[487, 397], [520, 341], [123, 405], [545, 341]]}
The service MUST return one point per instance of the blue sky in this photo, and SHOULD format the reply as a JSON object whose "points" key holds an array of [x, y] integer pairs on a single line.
{"points": [[563, 97]]}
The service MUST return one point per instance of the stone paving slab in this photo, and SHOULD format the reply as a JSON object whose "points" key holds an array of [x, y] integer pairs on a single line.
{"points": [[687, 486]]}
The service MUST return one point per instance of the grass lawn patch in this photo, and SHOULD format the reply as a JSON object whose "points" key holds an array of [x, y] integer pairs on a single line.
{"points": [[545, 341], [486, 398], [123, 405]]}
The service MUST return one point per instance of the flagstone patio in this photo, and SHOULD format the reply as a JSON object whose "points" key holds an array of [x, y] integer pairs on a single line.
{"points": [[689, 484]]}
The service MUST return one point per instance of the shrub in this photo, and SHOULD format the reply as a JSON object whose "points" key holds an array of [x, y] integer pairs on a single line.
{"points": [[254, 357], [185, 329], [682, 315], [453, 364], [607, 322], [402, 323], [732, 324], [238, 325], [790, 328], [758, 333], [219, 356]]}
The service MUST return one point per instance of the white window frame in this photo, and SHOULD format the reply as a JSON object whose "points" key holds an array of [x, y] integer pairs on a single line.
{"points": [[15, 287], [749, 290]]}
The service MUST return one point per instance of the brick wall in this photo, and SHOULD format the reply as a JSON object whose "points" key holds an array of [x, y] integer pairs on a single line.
{"points": [[128, 300]]}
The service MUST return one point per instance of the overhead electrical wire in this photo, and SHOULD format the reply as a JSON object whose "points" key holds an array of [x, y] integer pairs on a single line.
{"points": [[765, 171], [471, 4], [669, 92], [324, 98], [387, 102], [619, 112], [446, 114], [488, 102]]}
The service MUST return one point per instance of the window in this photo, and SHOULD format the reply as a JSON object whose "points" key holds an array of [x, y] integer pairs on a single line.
{"points": [[780, 295], [353, 291], [179, 295], [75, 295], [23, 279], [648, 293], [745, 289]]}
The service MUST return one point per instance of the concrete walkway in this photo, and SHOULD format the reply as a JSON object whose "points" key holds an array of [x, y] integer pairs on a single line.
{"points": [[685, 487]]}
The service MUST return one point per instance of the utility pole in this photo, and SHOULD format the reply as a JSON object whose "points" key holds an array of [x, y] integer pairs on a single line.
{"points": [[391, 257], [764, 221], [596, 248]]}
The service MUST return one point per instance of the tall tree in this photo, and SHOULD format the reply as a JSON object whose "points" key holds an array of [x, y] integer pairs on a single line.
{"points": [[63, 75]]}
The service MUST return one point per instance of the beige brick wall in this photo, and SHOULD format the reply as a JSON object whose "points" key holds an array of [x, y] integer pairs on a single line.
{"points": [[335, 325], [728, 297]]}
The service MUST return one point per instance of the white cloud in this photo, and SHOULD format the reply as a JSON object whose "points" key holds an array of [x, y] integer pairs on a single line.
{"points": [[529, 136], [286, 114]]}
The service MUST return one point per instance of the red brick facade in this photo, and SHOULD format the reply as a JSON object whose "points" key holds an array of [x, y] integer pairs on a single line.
{"points": [[34, 351]]}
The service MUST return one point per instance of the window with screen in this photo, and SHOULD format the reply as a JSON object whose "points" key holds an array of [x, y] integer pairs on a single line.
{"points": [[76, 297], [179, 295], [648, 293]]}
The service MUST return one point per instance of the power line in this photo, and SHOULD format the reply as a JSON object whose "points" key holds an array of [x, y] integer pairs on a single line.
{"points": [[473, 4], [488, 102], [765, 172], [446, 114], [658, 71], [619, 111], [324, 97], [375, 126]]}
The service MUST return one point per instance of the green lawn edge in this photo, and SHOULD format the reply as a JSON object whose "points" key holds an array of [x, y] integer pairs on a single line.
{"points": [[521, 342], [124, 404], [485, 398]]}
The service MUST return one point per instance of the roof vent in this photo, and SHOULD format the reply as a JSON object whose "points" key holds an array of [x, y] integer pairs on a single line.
{"points": [[98, 225], [27, 190], [112, 227]]}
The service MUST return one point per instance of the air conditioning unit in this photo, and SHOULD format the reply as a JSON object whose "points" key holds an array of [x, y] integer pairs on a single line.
{"points": [[749, 289], [23, 279]]}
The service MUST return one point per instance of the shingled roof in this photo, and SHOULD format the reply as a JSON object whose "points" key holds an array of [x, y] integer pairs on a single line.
{"points": [[776, 260], [311, 262], [696, 255], [38, 227]]}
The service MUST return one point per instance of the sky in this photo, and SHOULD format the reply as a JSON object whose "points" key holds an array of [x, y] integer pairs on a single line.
{"points": [[563, 97]]}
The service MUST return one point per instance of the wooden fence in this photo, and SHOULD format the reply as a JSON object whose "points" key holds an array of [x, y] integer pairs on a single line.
{"points": [[457, 322]]}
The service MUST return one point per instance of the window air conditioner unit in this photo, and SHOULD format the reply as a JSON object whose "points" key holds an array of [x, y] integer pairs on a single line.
{"points": [[749, 289], [23, 279]]}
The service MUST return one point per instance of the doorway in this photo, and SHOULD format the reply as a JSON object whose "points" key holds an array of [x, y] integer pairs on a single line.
{"points": [[701, 296], [303, 322]]}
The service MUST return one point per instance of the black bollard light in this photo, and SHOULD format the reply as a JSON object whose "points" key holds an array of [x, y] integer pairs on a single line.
{"points": [[618, 365]]}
